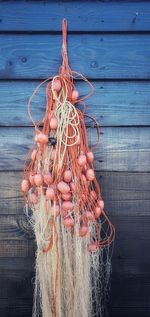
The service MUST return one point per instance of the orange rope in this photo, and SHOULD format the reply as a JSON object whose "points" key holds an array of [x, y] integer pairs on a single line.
{"points": [[82, 191]]}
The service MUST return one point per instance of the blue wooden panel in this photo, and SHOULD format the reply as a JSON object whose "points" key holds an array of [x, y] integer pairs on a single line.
{"points": [[121, 149], [19, 307], [112, 104], [81, 15], [124, 152], [96, 56], [130, 296]]}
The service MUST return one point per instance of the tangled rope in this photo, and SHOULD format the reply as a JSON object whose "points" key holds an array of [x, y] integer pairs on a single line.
{"points": [[73, 232]]}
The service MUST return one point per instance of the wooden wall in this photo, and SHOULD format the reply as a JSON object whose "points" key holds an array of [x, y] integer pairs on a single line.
{"points": [[109, 43]]}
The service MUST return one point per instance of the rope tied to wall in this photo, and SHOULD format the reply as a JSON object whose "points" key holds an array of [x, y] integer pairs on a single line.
{"points": [[73, 233]]}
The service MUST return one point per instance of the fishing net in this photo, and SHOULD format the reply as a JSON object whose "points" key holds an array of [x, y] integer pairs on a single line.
{"points": [[64, 205]]}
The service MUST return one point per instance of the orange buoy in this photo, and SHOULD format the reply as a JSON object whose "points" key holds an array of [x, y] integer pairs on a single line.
{"points": [[75, 95], [48, 179], [83, 230], [68, 222], [101, 204], [82, 160], [97, 212], [38, 180], [67, 205], [63, 187], [53, 123], [56, 85], [67, 176], [42, 138], [25, 185], [92, 247], [90, 156], [50, 194], [90, 174]]}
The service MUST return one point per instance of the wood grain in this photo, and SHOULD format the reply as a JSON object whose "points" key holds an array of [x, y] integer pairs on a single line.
{"points": [[132, 240], [16, 278], [88, 15], [130, 229], [15, 307], [127, 304], [17, 248], [130, 256], [109, 43], [23, 307], [95, 56], [130, 297], [112, 104], [121, 148]]}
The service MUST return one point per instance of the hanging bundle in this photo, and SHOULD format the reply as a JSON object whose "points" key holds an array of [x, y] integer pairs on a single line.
{"points": [[73, 233]]}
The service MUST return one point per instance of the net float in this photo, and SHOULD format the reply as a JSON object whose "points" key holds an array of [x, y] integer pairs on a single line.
{"points": [[25, 185], [56, 85], [66, 196], [97, 212], [34, 198], [93, 194], [90, 174], [90, 215], [31, 179], [48, 179], [64, 213], [50, 193], [63, 187], [67, 205], [38, 180], [83, 230], [92, 247], [53, 123], [82, 160], [72, 186], [67, 176], [101, 204], [42, 138], [33, 155], [68, 222], [75, 95], [90, 156]]}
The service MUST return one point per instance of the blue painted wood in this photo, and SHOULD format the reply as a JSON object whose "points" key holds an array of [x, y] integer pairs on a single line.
{"points": [[95, 56], [19, 307], [81, 15], [121, 149], [112, 104], [123, 155]]}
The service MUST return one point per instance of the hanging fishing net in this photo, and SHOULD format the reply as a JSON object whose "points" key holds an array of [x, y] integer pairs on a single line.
{"points": [[64, 205]]}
